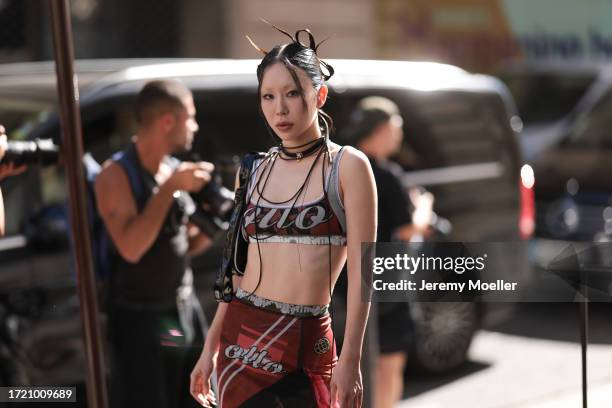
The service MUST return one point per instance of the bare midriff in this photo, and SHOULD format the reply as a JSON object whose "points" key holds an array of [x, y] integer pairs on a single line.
{"points": [[293, 273]]}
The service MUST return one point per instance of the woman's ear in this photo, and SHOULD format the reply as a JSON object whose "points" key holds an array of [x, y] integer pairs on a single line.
{"points": [[322, 96]]}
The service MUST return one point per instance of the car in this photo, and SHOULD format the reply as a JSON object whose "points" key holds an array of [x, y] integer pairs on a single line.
{"points": [[567, 139], [460, 128]]}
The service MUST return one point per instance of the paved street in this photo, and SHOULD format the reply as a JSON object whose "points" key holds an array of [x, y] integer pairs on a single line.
{"points": [[530, 361]]}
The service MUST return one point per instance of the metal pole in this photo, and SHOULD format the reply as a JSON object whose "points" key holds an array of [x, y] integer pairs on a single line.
{"points": [[584, 340], [72, 152]]}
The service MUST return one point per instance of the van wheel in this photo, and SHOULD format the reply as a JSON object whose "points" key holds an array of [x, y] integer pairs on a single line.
{"points": [[443, 333]]}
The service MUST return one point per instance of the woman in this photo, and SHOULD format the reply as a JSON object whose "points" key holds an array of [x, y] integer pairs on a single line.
{"points": [[272, 345]]}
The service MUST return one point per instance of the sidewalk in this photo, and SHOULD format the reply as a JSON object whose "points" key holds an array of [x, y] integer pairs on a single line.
{"points": [[599, 395], [519, 372]]}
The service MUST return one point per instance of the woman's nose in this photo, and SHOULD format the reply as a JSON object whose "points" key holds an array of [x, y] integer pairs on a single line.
{"points": [[281, 107]]}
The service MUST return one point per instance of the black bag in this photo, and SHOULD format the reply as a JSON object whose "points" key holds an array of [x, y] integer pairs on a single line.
{"points": [[235, 250]]}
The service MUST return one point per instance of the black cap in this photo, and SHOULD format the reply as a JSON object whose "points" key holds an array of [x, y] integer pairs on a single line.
{"points": [[369, 113]]}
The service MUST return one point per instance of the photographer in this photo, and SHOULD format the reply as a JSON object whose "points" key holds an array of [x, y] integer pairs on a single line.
{"points": [[155, 321], [6, 170]]}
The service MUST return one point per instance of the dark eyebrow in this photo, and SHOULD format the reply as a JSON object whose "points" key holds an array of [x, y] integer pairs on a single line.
{"points": [[286, 87]]}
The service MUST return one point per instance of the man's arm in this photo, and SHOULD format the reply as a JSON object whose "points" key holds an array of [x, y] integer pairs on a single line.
{"points": [[133, 233], [198, 241]]}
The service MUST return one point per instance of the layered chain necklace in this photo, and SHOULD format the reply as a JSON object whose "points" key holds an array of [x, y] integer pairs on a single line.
{"points": [[321, 148]]}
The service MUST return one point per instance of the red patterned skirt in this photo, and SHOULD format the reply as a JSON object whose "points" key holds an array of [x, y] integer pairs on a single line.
{"points": [[274, 354]]}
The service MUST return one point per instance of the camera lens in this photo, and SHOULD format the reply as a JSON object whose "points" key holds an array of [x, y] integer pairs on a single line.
{"points": [[39, 151]]}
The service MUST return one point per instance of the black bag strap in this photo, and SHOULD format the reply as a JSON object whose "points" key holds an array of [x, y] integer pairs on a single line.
{"points": [[224, 288]]}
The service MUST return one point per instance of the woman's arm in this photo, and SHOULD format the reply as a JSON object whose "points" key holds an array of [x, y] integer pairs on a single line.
{"points": [[360, 203], [211, 345], [200, 387], [359, 193]]}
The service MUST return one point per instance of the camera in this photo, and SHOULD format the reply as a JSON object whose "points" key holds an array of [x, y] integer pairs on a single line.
{"points": [[219, 199], [214, 205], [38, 151]]}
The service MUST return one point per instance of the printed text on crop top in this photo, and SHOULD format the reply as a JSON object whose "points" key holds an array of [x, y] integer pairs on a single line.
{"points": [[313, 222]]}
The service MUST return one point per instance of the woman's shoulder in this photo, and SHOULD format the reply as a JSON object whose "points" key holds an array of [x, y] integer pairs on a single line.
{"points": [[351, 156]]}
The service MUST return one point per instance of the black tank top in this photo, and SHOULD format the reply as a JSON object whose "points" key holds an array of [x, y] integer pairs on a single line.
{"points": [[157, 277]]}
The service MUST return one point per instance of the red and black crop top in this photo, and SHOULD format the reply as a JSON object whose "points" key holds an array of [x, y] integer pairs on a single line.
{"points": [[317, 222]]}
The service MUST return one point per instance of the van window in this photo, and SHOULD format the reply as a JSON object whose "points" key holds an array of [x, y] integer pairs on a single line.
{"points": [[20, 116], [594, 129], [108, 127], [229, 123], [230, 126], [546, 97]]}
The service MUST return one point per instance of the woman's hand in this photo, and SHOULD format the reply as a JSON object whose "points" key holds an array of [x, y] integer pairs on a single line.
{"points": [[200, 379], [346, 386]]}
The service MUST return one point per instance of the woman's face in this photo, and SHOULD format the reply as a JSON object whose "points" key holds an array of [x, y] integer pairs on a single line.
{"points": [[283, 107]]}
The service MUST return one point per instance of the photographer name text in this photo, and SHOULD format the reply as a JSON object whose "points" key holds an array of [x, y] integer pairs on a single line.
{"points": [[406, 285]]}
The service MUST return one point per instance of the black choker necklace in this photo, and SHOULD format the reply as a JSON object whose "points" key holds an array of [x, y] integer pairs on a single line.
{"points": [[316, 144], [302, 145]]}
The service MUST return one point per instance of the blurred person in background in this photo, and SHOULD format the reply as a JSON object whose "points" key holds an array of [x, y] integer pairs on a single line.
{"points": [[155, 321], [375, 127], [6, 170]]}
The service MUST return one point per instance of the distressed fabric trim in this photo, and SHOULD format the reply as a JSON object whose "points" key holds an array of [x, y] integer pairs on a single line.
{"points": [[336, 240], [281, 307]]}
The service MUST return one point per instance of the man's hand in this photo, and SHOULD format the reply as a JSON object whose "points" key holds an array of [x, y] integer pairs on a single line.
{"points": [[191, 177], [423, 208], [7, 169]]}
